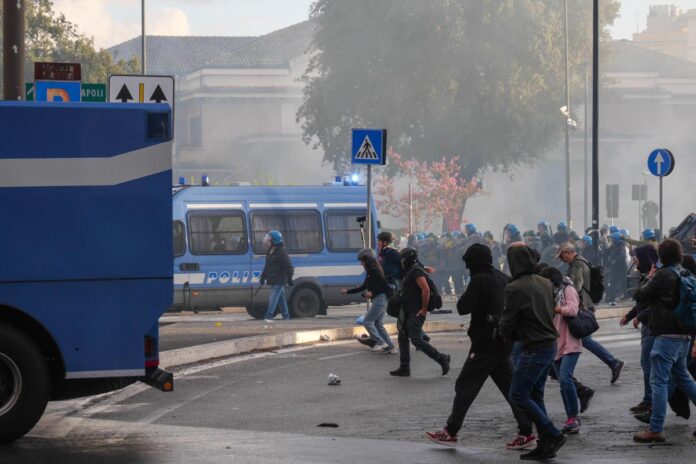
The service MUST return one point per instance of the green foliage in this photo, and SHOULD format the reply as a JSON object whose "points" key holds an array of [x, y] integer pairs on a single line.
{"points": [[51, 37], [482, 79]]}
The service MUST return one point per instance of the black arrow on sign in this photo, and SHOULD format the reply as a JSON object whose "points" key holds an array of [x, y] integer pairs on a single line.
{"points": [[158, 95], [124, 95]]}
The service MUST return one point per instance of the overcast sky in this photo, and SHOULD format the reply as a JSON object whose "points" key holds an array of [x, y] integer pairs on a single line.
{"points": [[113, 21]]}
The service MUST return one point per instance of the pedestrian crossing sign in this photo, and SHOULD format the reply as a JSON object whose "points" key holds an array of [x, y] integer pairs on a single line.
{"points": [[369, 146]]}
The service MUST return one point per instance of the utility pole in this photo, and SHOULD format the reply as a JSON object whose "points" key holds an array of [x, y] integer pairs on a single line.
{"points": [[143, 54], [13, 32], [595, 125], [569, 217], [587, 128]]}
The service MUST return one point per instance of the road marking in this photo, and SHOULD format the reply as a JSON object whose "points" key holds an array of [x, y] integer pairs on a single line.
{"points": [[344, 355], [622, 344], [608, 338]]}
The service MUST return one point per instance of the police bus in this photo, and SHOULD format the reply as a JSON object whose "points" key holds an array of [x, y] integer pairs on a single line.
{"points": [[219, 251], [86, 262]]}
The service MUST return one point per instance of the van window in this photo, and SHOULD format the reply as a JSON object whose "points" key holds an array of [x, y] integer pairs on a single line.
{"points": [[178, 242], [217, 233], [343, 230], [301, 230]]}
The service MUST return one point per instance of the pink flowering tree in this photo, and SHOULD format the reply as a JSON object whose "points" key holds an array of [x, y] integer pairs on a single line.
{"points": [[439, 192]]}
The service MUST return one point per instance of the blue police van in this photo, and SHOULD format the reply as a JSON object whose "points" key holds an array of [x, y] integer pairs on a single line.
{"points": [[86, 261], [219, 251]]}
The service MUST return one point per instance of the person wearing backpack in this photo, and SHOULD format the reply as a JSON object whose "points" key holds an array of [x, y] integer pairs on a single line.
{"points": [[580, 272], [489, 355], [673, 334], [416, 293]]}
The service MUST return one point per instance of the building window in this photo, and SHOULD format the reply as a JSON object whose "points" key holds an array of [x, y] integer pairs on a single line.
{"points": [[301, 230], [343, 230], [178, 233], [217, 233]]}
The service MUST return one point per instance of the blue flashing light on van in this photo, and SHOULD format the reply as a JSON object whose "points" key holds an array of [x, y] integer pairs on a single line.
{"points": [[219, 251]]}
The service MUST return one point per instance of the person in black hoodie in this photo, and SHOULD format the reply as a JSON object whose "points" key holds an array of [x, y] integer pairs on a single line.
{"points": [[489, 356], [377, 289], [528, 317], [277, 272]]}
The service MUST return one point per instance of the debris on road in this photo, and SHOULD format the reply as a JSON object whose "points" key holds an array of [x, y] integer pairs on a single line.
{"points": [[327, 338], [328, 424], [334, 379]]}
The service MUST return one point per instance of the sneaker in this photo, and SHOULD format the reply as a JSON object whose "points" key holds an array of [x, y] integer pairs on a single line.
{"points": [[571, 426], [616, 371], [535, 453], [270, 321], [401, 372], [442, 437], [585, 399], [391, 350], [641, 407], [551, 447], [644, 417], [522, 442], [378, 348], [445, 363], [365, 340], [646, 436]]}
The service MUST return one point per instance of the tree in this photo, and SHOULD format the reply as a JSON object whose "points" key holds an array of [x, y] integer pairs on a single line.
{"points": [[440, 191], [51, 37], [483, 79]]}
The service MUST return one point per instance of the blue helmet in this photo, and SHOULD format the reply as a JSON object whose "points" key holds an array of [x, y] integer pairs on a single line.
{"points": [[512, 228], [562, 227], [613, 229], [616, 237], [625, 232], [649, 234], [587, 239], [276, 237], [543, 225], [470, 228]]}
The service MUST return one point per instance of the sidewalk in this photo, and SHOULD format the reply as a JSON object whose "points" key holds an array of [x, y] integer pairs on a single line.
{"points": [[188, 338]]}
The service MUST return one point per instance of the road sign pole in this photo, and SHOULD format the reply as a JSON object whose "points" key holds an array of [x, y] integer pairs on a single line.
{"points": [[662, 232], [595, 125], [369, 206], [143, 52]]}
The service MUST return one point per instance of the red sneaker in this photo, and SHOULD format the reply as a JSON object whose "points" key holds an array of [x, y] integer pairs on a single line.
{"points": [[442, 437], [522, 442]]}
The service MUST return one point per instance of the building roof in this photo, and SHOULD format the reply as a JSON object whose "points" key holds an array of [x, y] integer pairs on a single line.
{"points": [[627, 57], [181, 54]]}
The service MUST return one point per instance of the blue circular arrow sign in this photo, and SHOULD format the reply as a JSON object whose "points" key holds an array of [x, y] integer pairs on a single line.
{"points": [[661, 162]]}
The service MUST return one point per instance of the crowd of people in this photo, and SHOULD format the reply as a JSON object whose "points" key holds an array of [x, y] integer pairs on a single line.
{"points": [[526, 297]]}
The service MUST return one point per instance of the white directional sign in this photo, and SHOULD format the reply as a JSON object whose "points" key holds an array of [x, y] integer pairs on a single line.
{"points": [[141, 89]]}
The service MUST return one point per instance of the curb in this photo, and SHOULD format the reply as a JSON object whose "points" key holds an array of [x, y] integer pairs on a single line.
{"points": [[610, 313], [209, 351]]}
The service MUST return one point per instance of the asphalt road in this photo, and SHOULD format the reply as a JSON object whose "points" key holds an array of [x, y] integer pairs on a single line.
{"points": [[267, 408]]}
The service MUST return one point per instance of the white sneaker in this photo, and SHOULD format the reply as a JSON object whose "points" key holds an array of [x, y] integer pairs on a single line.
{"points": [[378, 348], [270, 321], [392, 350]]}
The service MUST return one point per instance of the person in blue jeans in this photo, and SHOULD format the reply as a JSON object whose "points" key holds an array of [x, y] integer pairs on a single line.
{"points": [[277, 272], [528, 317], [673, 341], [377, 289]]}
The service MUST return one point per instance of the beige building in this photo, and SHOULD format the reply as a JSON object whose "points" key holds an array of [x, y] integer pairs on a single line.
{"points": [[669, 31]]}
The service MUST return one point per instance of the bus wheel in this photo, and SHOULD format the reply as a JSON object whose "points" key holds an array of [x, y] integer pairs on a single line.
{"points": [[257, 312], [24, 384], [305, 302]]}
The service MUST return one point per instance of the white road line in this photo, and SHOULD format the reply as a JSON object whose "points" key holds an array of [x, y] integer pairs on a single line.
{"points": [[622, 344], [344, 355], [609, 338]]}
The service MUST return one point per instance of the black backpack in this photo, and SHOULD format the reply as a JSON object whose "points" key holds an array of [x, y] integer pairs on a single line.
{"points": [[596, 290], [396, 302]]}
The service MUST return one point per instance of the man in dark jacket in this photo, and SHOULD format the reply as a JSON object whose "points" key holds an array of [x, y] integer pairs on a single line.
{"points": [[389, 259], [670, 352], [528, 317], [415, 296], [277, 272], [489, 355]]}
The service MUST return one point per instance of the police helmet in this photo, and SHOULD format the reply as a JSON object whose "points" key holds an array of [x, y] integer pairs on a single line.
{"points": [[408, 254], [367, 254], [649, 234], [616, 237], [587, 239], [275, 237], [562, 227], [512, 228], [613, 229], [625, 232], [470, 228]]}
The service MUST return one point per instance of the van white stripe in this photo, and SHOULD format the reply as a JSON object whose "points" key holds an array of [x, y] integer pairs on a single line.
{"points": [[345, 205], [103, 374], [328, 271], [193, 279], [283, 205], [79, 172], [214, 205]]}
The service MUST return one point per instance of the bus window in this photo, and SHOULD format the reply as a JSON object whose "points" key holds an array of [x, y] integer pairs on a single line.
{"points": [[217, 233], [178, 232], [301, 230], [343, 231]]}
